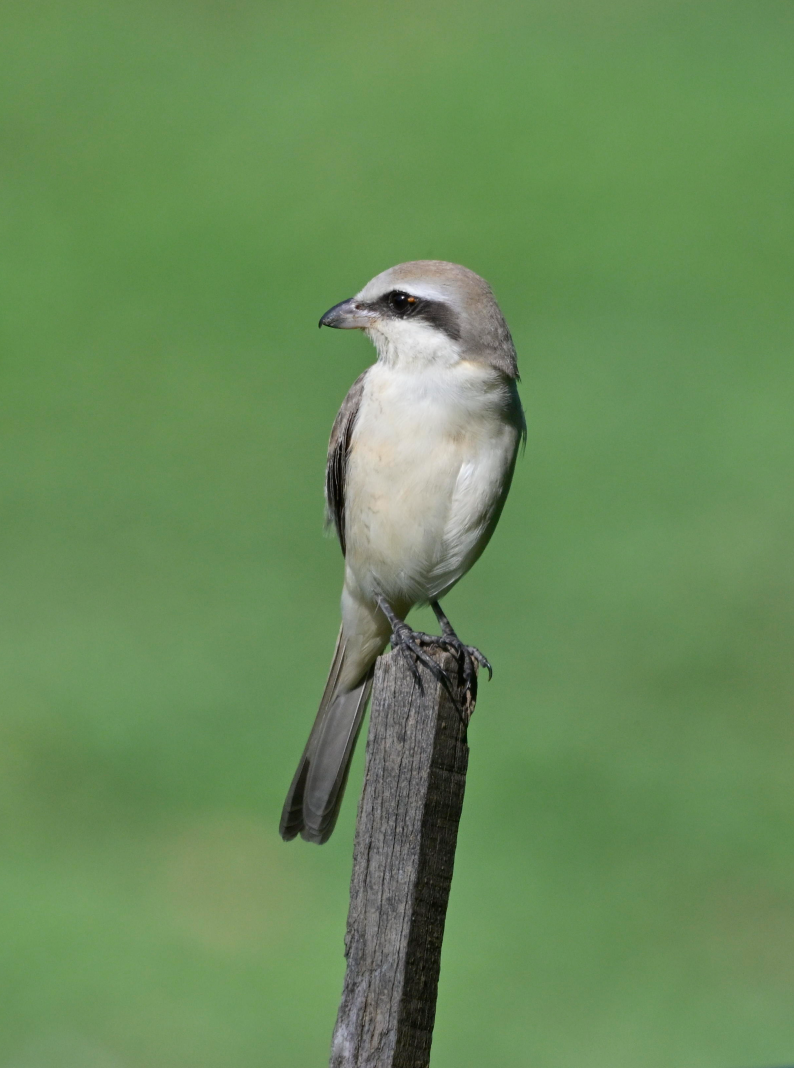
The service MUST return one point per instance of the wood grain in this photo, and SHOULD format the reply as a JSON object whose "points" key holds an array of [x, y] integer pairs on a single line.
{"points": [[403, 859]]}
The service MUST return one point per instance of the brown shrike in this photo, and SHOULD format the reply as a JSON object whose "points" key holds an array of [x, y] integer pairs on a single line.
{"points": [[419, 465]]}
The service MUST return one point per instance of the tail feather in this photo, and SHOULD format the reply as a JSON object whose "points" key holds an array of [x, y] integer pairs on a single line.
{"points": [[315, 796]]}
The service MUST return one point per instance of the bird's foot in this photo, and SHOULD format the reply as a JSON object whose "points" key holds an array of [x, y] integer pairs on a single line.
{"points": [[410, 643], [469, 659]]}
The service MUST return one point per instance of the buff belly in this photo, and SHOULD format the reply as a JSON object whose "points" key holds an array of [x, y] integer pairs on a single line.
{"points": [[428, 471]]}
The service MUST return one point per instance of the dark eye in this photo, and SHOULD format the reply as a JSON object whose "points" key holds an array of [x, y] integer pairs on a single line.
{"points": [[400, 302]]}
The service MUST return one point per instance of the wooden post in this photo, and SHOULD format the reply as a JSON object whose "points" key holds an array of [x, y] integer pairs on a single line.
{"points": [[403, 857]]}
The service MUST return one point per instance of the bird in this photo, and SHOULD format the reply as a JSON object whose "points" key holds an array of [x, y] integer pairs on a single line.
{"points": [[420, 461]]}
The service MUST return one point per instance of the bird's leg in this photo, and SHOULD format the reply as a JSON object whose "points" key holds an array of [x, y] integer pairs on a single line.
{"points": [[410, 643], [466, 654]]}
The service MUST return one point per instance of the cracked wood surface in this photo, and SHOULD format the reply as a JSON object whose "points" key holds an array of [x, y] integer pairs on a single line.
{"points": [[403, 858]]}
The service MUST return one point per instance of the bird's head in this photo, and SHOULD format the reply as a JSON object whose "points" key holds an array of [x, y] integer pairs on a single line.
{"points": [[429, 312]]}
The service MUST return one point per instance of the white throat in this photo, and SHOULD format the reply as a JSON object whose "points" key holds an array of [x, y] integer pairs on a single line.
{"points": [[413, 344]]}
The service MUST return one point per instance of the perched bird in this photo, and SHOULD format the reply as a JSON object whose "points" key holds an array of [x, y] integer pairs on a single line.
{"points": [[419, 465]]}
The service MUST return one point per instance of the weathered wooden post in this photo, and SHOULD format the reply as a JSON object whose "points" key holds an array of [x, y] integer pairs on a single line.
{"points": [[403, 858]]}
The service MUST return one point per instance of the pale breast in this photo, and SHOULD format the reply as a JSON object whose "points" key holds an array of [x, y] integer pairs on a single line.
{"points": [[430, 463]]}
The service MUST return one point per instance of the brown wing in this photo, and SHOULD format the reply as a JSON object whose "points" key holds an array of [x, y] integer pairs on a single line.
{"points": [[338, 450]]}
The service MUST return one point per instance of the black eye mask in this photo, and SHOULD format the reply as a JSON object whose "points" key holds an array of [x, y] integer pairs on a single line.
{"points": [[398, 304]]}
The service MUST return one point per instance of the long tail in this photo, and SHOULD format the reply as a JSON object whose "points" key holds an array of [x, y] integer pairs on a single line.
{"points": [[315, 795]]}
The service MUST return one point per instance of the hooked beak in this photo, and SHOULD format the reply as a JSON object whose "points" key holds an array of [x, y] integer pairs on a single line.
{"points": [[349, 315]]}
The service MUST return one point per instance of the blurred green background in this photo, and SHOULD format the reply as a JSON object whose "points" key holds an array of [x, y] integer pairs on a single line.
{"points": [[186, 186]]}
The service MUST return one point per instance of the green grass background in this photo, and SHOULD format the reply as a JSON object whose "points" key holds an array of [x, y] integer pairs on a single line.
{"points": [[186, 186]]}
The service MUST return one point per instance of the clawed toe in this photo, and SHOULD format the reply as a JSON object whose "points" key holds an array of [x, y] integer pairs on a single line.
{"points": [[483, 661], [467, 654], [410, 643], [469, 658]]}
